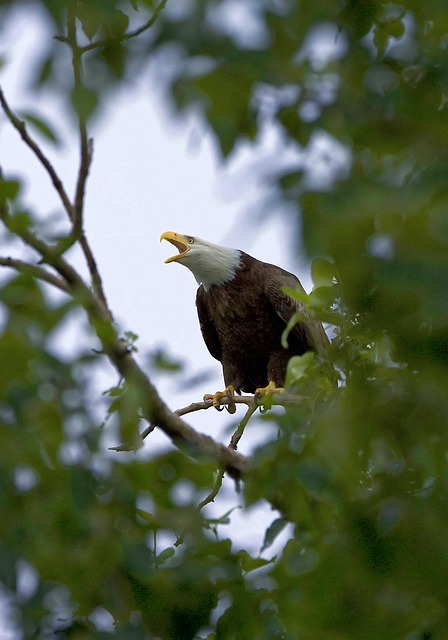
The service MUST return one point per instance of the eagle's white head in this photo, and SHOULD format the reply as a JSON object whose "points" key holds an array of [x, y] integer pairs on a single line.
{"points": [[209, 263]]}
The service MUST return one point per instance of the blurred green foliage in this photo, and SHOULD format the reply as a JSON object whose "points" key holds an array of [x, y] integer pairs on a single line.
{"points": [[361, 469]]}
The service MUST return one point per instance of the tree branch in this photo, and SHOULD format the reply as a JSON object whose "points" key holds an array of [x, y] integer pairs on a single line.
{"points": [[75, 213], [251, 408], [253, 403], [154, 410], [85, 144], [157, 413], [20, 127], [86, 153], [215, 490], [34, 270]]}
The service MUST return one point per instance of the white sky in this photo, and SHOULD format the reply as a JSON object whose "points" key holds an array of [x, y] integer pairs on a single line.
{"points": [[151, 174]]}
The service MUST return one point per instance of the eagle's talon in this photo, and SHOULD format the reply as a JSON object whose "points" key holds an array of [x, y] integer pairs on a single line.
{"points": [[269, 390], [216, 398], [264, 396]]}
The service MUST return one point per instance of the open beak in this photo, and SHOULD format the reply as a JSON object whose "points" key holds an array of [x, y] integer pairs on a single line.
{"points": [[179, 241]]}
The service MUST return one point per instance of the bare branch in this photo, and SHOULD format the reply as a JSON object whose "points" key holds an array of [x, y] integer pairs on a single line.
{"points": [[86, 159], [252, 402], [85, 144], [86, 154], [207, 404], [277, 400], [75, 213], [157, 413], [20, 127], [215, 490], [34, 270], [251, 408], [97, 282]]}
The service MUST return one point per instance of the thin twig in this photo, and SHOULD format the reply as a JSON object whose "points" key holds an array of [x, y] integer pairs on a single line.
{"points": [[75, 215], [76, 218], [252, 402], [194, 406], [207, 404], [207, 500], [34, 270], [20, 127], [252, 406], [85, 144], [242, 425], [97, 282], [215, 490], [86, 153]]}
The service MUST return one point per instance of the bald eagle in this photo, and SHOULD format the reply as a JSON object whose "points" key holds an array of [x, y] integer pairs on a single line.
{"points": [[243, 313]]}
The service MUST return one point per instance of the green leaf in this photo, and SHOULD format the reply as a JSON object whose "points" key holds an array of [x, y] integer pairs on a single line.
{"points": [[298, 367], [227, 92], [15, 357], [89, 17], [396, 28], [249, 563], [85, 102], [163, 362], [294, 319], [19, 222], [273, 531], [296, 294], [9, 189], [322, 272], [290, 179], [117, 23], [165, 555], [43, 126], [322, 297], [148, 518]]}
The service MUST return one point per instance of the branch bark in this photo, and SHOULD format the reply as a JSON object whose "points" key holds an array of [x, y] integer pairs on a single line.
{"points": [[34, 270]]}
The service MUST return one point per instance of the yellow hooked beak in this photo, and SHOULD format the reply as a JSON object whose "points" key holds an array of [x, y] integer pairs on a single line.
{"points": [[179, 241]]}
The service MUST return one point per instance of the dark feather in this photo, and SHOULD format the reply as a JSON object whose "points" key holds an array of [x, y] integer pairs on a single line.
{"points": [[242, 322]]}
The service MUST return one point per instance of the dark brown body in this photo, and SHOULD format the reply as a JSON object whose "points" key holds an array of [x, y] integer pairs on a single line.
{"points": [[242, 322]]}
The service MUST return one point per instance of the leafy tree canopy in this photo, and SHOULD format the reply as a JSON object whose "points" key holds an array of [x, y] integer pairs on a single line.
{"points": [[359, 469]]}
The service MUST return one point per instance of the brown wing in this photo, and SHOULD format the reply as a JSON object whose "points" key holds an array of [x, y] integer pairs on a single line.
{"points": [[309, 332], [208, 330]]}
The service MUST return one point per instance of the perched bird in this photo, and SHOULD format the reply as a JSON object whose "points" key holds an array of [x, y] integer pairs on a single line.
{"points": [[243, 313]]}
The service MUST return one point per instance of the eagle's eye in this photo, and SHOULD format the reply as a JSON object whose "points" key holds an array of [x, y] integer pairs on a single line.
{"points": [[190, 240]]}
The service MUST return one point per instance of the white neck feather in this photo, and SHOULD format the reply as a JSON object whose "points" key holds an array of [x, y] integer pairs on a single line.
{"points": [[211, 264]]}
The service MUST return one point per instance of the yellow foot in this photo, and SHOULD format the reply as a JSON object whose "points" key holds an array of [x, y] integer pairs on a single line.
{"points": [[269, 390], [219, 395]]}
